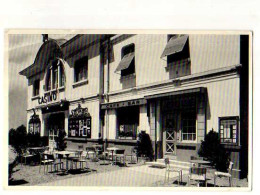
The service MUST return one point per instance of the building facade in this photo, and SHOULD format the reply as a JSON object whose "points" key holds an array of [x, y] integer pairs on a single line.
{"points": [[109, 88]]}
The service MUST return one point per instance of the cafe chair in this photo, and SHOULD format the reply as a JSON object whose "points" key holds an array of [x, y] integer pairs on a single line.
{"points": [[26, 155], [90, 152], [119, 155], [46, 160], [197, 174], [81, 160], [170, 169], [224, 174], [133, 156], [57, 162]]}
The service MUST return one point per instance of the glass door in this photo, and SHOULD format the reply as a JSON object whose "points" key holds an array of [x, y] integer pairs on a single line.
{"points": [[55, 124]]}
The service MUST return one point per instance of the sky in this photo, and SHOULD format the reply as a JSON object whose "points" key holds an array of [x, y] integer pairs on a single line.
{"points": [[22, 52]]}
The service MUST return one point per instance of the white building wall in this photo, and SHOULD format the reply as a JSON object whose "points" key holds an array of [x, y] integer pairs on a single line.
{"points": [[223, 100], [207, 52]]}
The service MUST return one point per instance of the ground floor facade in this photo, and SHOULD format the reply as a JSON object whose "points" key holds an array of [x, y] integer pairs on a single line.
{"points": [[176, 114]]}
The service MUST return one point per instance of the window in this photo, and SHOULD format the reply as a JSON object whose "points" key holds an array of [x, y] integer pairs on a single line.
{"points": [[34, 124], [128, 121], [178, 56], [127, 63], [128, 51], [189, 126], [81, 69], [55, 76], [228, 128], [36, 87]]}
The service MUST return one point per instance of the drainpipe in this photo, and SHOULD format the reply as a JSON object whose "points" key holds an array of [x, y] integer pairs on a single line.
{"points": [[155, 142], [107, 97]]}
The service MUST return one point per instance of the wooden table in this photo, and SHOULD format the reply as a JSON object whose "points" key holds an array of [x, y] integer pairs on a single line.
{"points": [[200, 162], [112, 150]]}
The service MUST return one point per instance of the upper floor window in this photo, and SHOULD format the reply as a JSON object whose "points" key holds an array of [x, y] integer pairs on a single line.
{"points": [[127, 63], [81, 69], [36, 87], [55, 76], [228, 128], [178, 56]]}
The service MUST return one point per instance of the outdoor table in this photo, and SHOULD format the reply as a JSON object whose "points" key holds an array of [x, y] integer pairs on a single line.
{"points": [[200, 162], [66, 153], [112, 150], [37, 151]]}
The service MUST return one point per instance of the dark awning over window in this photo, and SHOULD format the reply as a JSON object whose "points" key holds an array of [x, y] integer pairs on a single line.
{"points": [[179, 92], [125, 62], [175, 45]]}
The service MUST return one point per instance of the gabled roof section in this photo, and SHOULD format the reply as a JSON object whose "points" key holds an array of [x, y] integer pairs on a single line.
{"points": [[47, 52]]}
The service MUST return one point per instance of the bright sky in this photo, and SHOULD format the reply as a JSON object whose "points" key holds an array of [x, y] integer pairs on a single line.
{"points": [[22, 52]]}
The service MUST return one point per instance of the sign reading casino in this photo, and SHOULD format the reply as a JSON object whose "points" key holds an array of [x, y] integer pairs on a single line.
{"points": [[48, 97]]}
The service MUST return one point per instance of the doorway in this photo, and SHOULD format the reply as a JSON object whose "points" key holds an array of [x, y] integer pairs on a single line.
{"points": [[170, 128], [55, 125]]}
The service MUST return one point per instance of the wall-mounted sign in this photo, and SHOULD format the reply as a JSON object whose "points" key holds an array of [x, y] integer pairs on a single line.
{"points": [[123, 104], [48, 97]]}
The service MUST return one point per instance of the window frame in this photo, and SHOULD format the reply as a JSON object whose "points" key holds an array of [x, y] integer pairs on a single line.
{"points": [[188, 133], [134, 125], [34, 88], [50, 80], [226, 118], [130, 71], [81, 63]]}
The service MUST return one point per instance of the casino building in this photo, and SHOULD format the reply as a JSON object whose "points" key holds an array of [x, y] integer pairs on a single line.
{"points": [[108, 88]]}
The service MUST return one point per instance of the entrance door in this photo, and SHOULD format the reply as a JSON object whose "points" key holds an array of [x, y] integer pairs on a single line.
{"points": [[170, 122], [55, 124]]}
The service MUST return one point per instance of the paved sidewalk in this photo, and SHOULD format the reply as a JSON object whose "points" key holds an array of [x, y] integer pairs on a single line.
{"points": [[129, 176]]}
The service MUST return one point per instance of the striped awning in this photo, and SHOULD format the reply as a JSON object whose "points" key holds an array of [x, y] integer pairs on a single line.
{"points": [[175, 45], [179, 92], [125, 62]]}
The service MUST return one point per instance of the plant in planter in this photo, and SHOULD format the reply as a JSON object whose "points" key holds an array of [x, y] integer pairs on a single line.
{"points": [[144, 146], [213, 151]]}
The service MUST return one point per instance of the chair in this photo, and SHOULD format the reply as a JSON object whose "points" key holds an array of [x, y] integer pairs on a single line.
{"points": [[198, 174], [81, 160], [119, 154], [132, 156], [90, 151], [224, 174], [57, 162], [172, 169], [46, 159], [26, 154]]}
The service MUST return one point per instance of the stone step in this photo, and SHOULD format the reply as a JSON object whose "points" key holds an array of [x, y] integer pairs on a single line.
{"points": [[170, 156]]}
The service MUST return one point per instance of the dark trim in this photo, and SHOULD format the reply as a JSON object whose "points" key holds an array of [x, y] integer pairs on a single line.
{"points": [[82, 139], [122, 141], [179, 92]]}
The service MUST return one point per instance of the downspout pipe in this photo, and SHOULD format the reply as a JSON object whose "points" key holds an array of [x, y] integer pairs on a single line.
{"points": [[107, 91]]}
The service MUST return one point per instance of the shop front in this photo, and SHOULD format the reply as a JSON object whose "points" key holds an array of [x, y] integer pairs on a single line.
{"points": [[180, 123], [55, 118]]}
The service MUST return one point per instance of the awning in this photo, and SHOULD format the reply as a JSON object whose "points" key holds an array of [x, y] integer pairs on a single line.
{"points": [[125, 62], [180, 92], [175, 45]]}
